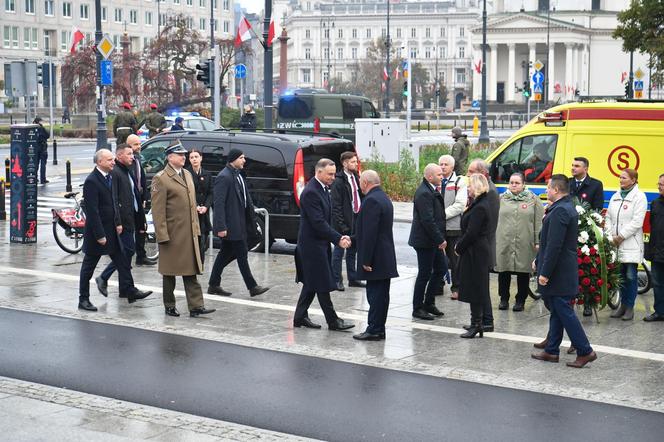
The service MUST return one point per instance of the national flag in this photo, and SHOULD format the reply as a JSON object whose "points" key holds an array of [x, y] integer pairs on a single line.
{"points": [[76, 37], [243, 31], [271, 34], [478, 66], [623, 76], [386, 76]]}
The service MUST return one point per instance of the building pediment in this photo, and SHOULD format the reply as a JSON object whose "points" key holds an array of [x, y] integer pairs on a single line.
{"points": [[523, 21]]}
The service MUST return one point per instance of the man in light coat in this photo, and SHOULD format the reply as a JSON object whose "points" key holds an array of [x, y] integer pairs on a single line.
{"points": [[176, 226], [455, 194]]}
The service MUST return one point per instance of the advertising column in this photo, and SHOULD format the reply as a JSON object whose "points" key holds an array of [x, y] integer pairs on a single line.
{"points": [[23, 202]]}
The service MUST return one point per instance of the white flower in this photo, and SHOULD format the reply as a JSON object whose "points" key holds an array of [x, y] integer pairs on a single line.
{"points": [[585, 250], [580, 210], [613, 256], [583, 237], [597, 217]]}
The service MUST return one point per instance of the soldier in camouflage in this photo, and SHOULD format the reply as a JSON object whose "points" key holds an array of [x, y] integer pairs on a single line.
{"points": [[125, 124], [155, 121], [460, 151]]}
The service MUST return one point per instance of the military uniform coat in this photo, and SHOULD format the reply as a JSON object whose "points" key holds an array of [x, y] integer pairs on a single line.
{"points": [[176, 223], [519, 225]]}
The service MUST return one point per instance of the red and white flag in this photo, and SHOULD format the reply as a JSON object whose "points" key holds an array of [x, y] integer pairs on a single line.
{"points": [[386, 76], [243, 31], [478, 66], [76, 37], [272, 33]]}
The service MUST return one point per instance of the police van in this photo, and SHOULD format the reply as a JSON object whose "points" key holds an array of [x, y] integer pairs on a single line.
{"points": [[317, 111]]}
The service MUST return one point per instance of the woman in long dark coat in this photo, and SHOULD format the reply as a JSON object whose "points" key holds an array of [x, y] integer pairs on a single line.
{"points": [[203, 184], [474, 250]]}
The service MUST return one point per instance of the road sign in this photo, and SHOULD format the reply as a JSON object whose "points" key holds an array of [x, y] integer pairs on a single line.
{"points": [[538, 78], [105, 46], [106, 73], [638, 94], [537, 96], [639, 74], [638, 85], [240, 71], [538, 65], [475, 104], [538, 89]]}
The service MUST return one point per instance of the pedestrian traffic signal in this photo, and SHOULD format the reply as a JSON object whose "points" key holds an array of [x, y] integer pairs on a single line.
{"points": [[437, 92], [40, 74], [204, 72], [405, 89], [526, 89], [627, 89]]}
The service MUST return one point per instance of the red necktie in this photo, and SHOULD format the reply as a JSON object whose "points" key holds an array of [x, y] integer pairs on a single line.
{"points": [[356, 199]]}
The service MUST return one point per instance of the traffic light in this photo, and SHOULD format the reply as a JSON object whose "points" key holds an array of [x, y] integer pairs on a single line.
{"points": [[204, 72], [627, 89], [526, 89], [437, 92], [40, 74], [405, 89]]}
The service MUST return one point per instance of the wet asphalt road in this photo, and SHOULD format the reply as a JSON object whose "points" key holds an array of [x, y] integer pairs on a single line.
{"points": [[294, 394]]}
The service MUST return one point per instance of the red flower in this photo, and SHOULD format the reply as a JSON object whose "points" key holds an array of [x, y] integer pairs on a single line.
{"points": [[573, 301], [585, 281], [598, 260], [611, 266], [608, 285], [578, 252], [581, 273], [579, 261], [593, 251], [597, 298], [580, 301], [593, 270], [586, 259], [593, 289], [600, 283], [580, 289]]}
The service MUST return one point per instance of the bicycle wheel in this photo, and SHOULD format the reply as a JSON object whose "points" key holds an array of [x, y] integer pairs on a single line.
{"points": [[151, 246], [70, 240], [644, 278], [614, 300]]}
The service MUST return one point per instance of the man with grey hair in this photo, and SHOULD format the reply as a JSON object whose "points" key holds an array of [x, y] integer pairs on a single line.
{"points": [[427, 237], [376, 257], [455, 194]]}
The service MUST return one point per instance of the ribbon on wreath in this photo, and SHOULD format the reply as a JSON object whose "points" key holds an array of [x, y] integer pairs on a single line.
{"points": [[603, 271]]}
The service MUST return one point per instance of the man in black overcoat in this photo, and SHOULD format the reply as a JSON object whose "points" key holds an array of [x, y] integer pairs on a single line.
{"points": [[557, 271], [313, 253], [584, 187], [138, 173], [102, 227], [377, 261], [427, 237], [233, 215], [42, 149]]}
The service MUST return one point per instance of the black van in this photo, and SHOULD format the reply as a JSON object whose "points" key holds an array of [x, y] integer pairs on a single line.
{"points": [[278, 166]]}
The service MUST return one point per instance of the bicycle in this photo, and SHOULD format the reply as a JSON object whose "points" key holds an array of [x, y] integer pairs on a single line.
{"points": [[69, 225]]}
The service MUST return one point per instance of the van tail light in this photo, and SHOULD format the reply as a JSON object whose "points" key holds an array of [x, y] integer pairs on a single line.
{"points": [[316, 125], [298, 176]]}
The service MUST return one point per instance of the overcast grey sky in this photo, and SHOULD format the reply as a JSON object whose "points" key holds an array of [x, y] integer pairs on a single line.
{"points": [[253, 5]]}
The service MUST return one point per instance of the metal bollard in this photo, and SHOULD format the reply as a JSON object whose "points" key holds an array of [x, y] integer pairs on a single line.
{"points": [[418, 126], [3, 211], [68, 188], [428, 126], [55, 152], [8, 174]]}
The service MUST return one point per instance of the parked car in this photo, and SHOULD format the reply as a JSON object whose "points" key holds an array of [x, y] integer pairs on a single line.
{"points": [[191, 121], [277, 169]]}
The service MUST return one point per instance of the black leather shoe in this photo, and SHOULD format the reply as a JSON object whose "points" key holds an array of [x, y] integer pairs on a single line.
{"points": [[138, 294], [356, 284], [654, 317], [518, 307], [145, 262], [172, 311], [340, 325], [102, 285], [382, 335], [433, 310], [85, 304], [258, 290], [486, 327], [201, 311], [504, 305], [423, 314], [587, 310], [366, 336], [340, 286], [306, 322], [217, 290]]}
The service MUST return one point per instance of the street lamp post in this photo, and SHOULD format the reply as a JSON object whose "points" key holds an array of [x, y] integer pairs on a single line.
{"points": [[548, 35], [267, 63], [484, 128], [102, 141], [328, 34], [437, 91], [386, 107]]}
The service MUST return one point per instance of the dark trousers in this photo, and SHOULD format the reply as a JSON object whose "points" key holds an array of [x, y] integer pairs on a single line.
{"points": [[191, 288], [43, 159], [563, 318], [522, 283], [431, 267], [90, 264], [306, 298], [231, 250], [139, 242], [338, 256], [453, 261], [128, 246], [657, 269], [378, 296]]}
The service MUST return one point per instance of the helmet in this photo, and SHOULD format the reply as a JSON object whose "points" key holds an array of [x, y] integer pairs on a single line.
{"points": [[456, 132], [153, 106]]}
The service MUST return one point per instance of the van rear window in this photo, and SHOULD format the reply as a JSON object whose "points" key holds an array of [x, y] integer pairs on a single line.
{"points": [[295, 108], [331, 150]]}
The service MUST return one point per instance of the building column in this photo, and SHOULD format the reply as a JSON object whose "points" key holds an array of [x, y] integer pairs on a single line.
{"points": [[477, 76], [492, 83], [575, 67], [583, 84], [532, 54], [511, 74], [551, 69], [568, 70]]}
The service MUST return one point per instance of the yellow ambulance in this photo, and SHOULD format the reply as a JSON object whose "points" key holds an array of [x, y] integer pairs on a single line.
{"points": [[612, 135]]}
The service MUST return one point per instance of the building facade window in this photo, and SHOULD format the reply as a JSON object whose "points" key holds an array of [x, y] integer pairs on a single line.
{"points": [[326, 34], [202, 24], [461, 76], [354, 33], [226, 5], [26, 38], [462, 52], [368, 33], [148, 18], [413, 53], [176, 2], [85, 12], [48, 7], [398, 32], [340, 33], [427, 32], [66, 9], [307, 34], [227, 26], [118, 15], [65, 39], [29, 6], [427, 52], [307, 53], [190, 2], [442, 52], [306, 75], [353, 53], [442, 32], [10, 5], [202, 3], [413, 32], [133, 16], [340, 53], [104, 13], [462, 31], [15, 37]]}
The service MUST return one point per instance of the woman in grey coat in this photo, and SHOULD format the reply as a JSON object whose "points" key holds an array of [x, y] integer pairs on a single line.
{"points": [[517, 240]]}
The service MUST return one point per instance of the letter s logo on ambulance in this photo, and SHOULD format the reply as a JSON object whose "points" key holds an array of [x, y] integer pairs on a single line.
{"points": [[623, 157]]}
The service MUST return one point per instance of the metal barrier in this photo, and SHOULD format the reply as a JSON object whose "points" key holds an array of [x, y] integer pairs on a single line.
{"points": [[266, 230]]}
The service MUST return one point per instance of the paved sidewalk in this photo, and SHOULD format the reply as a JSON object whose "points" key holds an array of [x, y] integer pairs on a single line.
{"points": [[403, 212]]}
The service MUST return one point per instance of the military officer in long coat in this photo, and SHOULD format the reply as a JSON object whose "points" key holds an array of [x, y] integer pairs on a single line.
{"points": [[176, 225]]}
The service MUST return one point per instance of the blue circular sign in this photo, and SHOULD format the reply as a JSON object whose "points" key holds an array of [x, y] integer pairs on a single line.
{"points": [[240, 71]]}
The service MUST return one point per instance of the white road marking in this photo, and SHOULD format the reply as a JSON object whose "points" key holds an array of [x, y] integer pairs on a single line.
{"points": [[394, 322]]}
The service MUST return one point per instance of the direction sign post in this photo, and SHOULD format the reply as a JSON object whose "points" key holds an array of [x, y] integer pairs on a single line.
{"points": [[105, 47], [106, 73], [241, 74]]}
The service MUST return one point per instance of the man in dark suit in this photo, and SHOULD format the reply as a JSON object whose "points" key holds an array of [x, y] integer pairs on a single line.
{"points": [[102, 227], [582, 186], [42, 149], [138, 173], [129, 209], [375, 250], [346, 201], [313, 254], [557, 268], [427, 237], [233, 215]]}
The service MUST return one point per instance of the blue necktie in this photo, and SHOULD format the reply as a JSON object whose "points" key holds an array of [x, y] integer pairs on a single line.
{"points": [[108, 181]]}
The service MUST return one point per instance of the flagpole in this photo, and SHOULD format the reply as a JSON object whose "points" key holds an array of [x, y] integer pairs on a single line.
{"points": [[387, 65], [214, 75], [267, 63]]}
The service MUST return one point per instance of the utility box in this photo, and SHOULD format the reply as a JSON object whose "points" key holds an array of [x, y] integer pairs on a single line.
{"points": [[23, 201], [380, 137]]}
